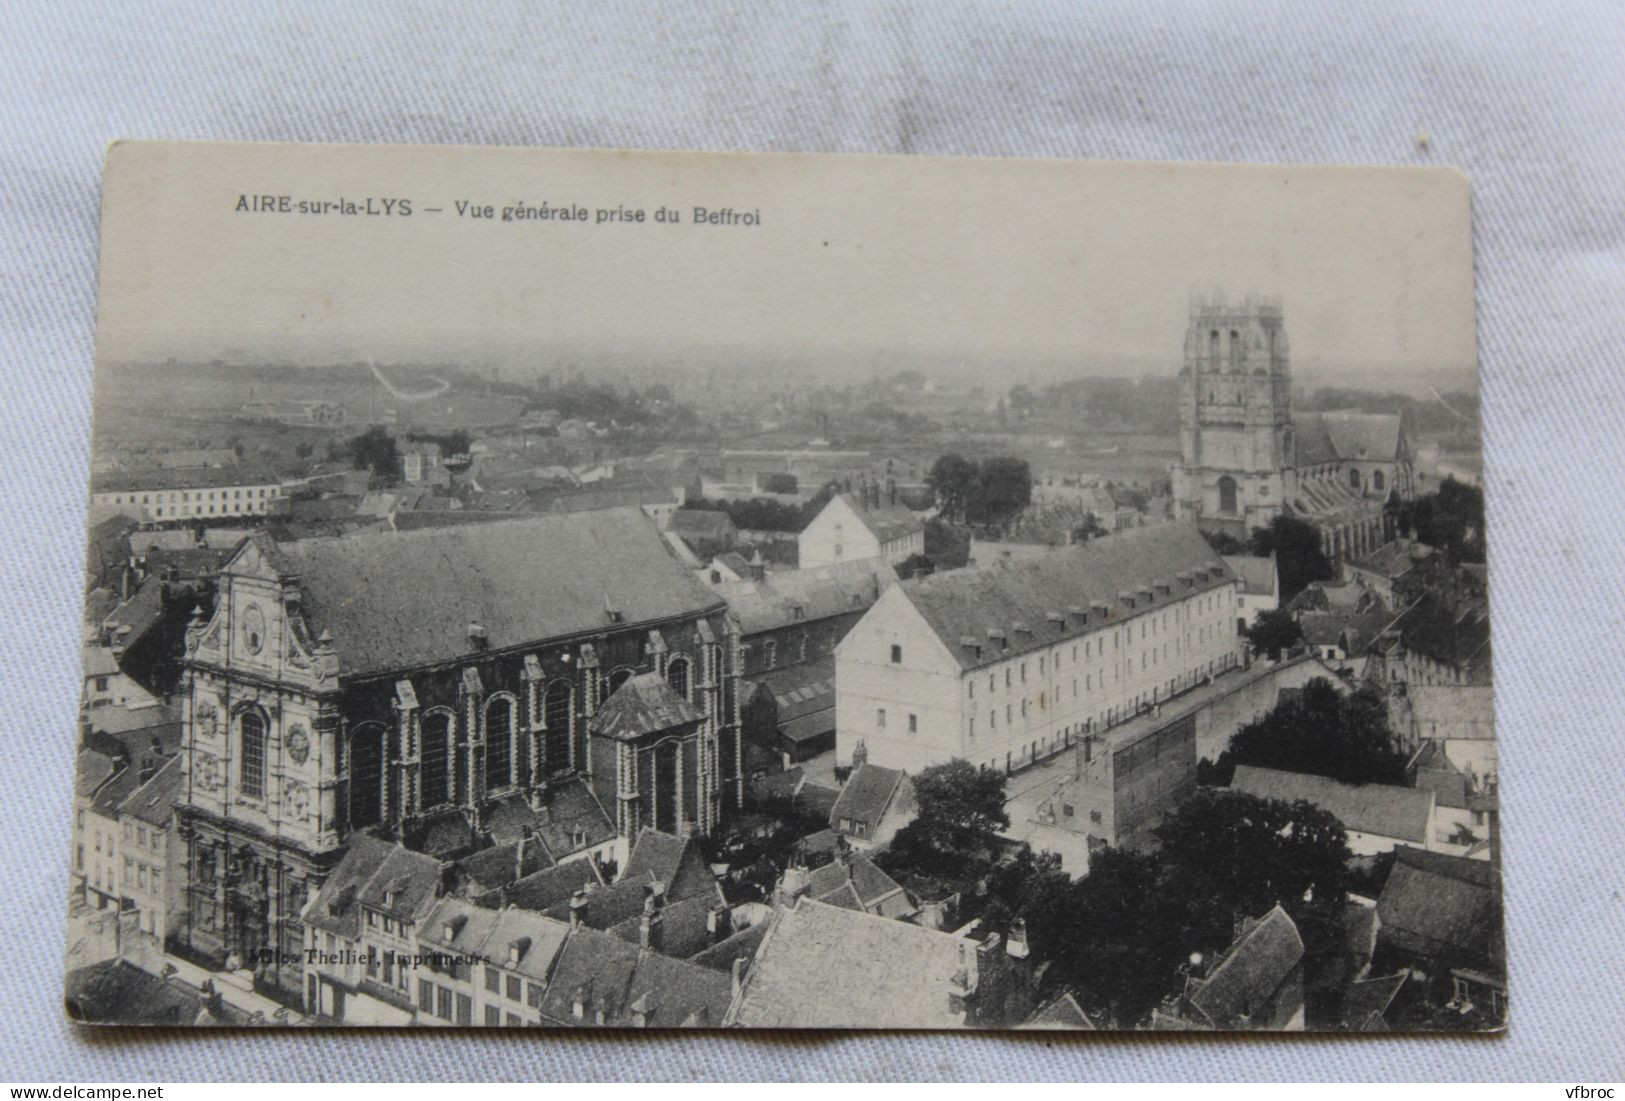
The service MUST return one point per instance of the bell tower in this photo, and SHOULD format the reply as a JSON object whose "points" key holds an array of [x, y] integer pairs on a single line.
{"points": [[1235, 390]]}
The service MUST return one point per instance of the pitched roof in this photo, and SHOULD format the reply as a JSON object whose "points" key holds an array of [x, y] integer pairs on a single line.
{"points": [[1251, 971], [154, 801], [673, 861], [1339, 436], [801, 689], [1436, 903], [1366, 1000], [616, 978], [183, 477], [800, 596], [1258, 575], [500, 865], [1381, 809], [685, 926], [739, 946], [399, 600], [867, 794], [524, 942], [401, 884], [1393, 559], [703, 522], [571, 819], [885, 521], [335, 908], [545, 889], [1060, 1013], [1453, 712], [609, 905], [820, 966], [116, 991], [987, 614], [1458, 638], [645, 704], [92, 771], [874, 890], [457, 926]]}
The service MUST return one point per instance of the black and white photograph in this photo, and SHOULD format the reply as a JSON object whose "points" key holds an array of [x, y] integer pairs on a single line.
{"points": [[542, 590]]}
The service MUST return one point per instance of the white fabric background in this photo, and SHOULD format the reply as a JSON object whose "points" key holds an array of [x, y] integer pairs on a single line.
{"points": [[1527, 97]]}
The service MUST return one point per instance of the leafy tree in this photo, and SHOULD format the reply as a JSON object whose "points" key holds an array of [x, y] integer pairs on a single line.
{"points": [[1322, 732], [959, 811], [375, 450], [1003, 487], [782, 482], [946, 546], [1126, 935], [1298, 557], [1231, 856], [1089, 529], [951, 478], [915, 565], [1273, 631], [1451, 518], [1224, 543]]}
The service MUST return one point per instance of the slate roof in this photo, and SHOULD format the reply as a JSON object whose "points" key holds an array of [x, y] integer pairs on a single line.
{"points": [[643, 705], [885, 522], [1016, 599], [820, 966], [1438, 904], [673, 861], [1460, 639], [1340, 436], [546, 889], [401, 884], [92, 771], [740, 946], [801, 690], [684, 926], [609, 905], [154, 801], [867, 795], [615, 977], [1366, 1000], [116, 991], [335, 909], [401, 600], [1258, 575], [701, 522], [183, 477], [1380, 809], [469, 925], [571, 819], [535, 939], [500, 865], [874, 890], [1060, 1013], [1251, 972], [1394, 559], [1453, 712], [818, 593]]}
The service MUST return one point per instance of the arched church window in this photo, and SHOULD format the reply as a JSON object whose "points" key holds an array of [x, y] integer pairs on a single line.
{"points": [[1235, 350], [1213, 349], [367, 763], [556, 707], [499, 742], [1377, 480], [436, 749], [1354, 479], [251, 776], [1227, 494], [677, 676]]}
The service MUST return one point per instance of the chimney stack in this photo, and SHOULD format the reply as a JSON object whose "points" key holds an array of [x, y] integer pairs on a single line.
{"points": [[1016, 947], [860, 755], [739, 966], [578, 909], [719, 922], [650, 934]]}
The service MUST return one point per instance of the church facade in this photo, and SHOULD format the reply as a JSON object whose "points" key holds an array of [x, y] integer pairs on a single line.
{"points": [[1246, 458], [396, 681]]}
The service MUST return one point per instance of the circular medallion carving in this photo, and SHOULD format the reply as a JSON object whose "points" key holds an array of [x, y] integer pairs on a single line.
{"points": [[208, 718], [253, 629], [298, 744]]}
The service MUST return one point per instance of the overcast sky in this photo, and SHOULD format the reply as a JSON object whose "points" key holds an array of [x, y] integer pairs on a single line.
{"points": [[1014, 262]]}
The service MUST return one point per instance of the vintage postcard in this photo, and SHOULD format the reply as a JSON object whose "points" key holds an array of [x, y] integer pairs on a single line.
{"points": [[546, 589]]}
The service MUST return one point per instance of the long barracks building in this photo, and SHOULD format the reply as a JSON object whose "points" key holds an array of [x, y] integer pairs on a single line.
{"points": [[1009, 664]]}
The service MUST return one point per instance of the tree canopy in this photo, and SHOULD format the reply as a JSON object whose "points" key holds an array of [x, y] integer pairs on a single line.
{"points": [[375, 450], [1273, 631], [1322, 732], [1451, 518], [1298, 557]]}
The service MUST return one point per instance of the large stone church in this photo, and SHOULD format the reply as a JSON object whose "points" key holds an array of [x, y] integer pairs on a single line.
{"points": [[1246, 458], [561, 678]]}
